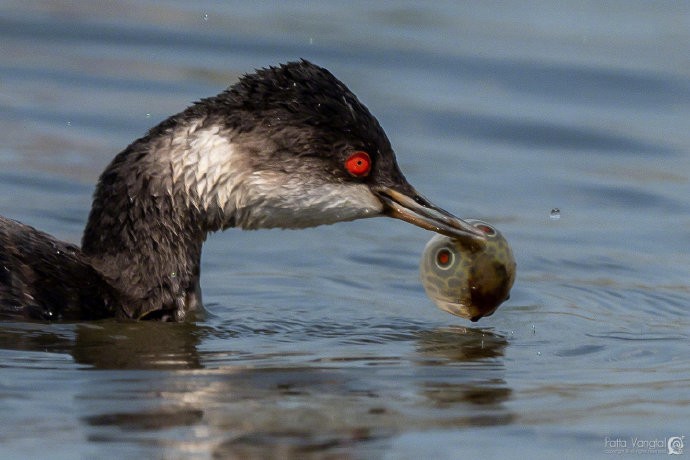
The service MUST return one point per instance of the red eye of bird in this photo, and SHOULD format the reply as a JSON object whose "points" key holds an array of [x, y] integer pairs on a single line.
{"points": [[358, 164]]}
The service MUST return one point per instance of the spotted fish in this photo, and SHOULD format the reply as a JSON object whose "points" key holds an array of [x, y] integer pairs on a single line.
{"points": [[466, 280]]}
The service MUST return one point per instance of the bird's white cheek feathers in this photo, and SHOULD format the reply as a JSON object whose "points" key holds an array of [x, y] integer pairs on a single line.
{"points": [[273, 201], [208, 168], [215, 172]]}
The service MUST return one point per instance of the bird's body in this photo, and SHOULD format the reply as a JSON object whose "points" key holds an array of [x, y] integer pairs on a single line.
{"points": [[287, 147], [41, 277]]}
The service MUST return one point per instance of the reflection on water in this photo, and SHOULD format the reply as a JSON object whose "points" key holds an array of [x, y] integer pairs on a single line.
{"points": [[308, 407], [321, 343], [480, 351], [110, 344], [461, 344], [113, 345]]}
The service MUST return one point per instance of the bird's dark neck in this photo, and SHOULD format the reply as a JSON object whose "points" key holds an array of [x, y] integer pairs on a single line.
{"points": [[147, 223]]}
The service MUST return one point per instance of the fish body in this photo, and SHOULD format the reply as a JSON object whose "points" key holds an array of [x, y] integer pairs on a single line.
{"points": [[468, 280]]}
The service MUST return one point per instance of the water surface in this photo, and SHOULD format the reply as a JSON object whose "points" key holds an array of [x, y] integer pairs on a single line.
{"points": [[321, 343]]}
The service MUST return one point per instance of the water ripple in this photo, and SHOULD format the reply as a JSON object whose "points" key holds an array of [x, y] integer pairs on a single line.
{"points": [[536, 134]]}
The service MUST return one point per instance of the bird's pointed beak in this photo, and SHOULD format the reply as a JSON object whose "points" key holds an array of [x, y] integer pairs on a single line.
{"points": [[415, 209]]}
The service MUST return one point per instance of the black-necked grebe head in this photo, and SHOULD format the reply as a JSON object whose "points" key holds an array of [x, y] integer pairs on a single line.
{"points": [[292, 146]]}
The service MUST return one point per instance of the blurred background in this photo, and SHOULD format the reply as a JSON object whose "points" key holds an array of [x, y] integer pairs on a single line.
{"points": [[321, 343]]}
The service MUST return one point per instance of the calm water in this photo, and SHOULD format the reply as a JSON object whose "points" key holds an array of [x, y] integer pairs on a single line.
{"points": [[321, 343]]}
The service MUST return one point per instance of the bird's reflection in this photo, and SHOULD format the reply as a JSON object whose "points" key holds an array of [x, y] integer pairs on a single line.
{"points": [[138, 345], [110, 344], [252, 408]]}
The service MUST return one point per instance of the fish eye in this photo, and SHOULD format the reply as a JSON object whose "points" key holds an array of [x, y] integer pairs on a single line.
{"points": [[444, 258], [489, 230]]}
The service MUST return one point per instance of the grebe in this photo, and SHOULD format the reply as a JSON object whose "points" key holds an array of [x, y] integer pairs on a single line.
{"points": [[288, 146]]}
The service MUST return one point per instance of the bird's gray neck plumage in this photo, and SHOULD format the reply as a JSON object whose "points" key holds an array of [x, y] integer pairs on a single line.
{"points": [[152, 210], [158, 199]]}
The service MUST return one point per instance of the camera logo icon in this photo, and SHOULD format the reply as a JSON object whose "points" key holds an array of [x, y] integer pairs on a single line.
{"points": [[675, 445]]}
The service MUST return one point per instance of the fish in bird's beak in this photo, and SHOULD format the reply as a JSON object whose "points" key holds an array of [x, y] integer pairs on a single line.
{"points": [[415, 209]]}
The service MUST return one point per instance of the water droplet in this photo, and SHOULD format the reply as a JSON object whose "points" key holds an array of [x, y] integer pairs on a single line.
{"points": [[69, 123], [148, 115], [205, 16], [539, 353], [555, 214], [311, 40], [534, 329]]}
